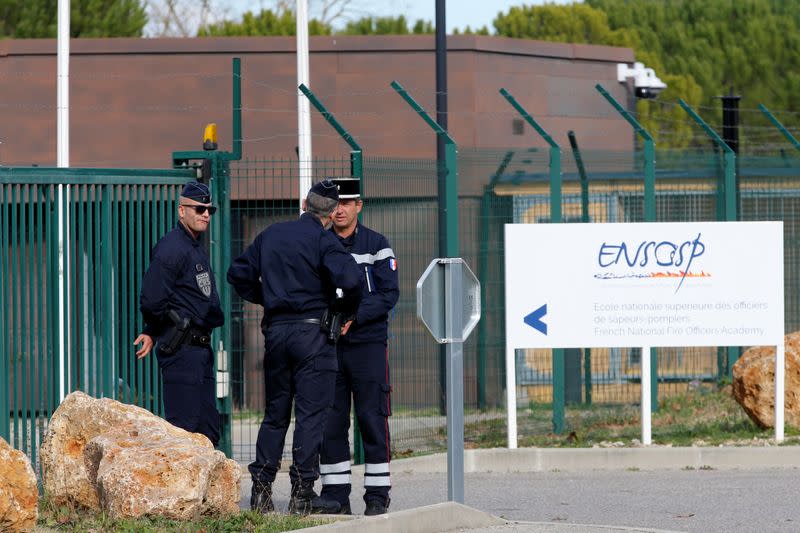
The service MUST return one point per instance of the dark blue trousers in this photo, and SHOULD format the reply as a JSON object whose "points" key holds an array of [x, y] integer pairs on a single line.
{"points": [[300, 365], [190, 395], [364, 376]]}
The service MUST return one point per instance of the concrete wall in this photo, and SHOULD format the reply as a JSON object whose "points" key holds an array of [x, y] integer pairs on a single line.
{"points": [[134, 101]]}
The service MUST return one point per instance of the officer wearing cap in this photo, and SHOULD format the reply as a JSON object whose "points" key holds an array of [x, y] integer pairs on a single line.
{"points": [[363, 363], [293, 270], [180, 306]]}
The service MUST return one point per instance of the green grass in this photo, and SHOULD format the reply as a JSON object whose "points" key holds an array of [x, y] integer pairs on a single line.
{"points": [[66, 519], [703, 416]]}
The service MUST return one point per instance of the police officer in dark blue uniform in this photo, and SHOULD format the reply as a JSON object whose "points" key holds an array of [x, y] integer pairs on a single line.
{"points": [[293, 269], [180, 305], [363, 363]]}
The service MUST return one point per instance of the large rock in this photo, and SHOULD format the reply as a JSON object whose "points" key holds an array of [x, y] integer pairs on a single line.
{"points": [[754, 383], [19, 495], [148, 471], [103, 454]]}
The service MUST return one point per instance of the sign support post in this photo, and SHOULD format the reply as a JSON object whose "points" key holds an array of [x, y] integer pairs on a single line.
{"points": [[449, 304]]}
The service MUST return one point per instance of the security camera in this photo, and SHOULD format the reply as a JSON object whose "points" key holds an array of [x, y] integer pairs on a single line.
{"points": [[645, 82]]}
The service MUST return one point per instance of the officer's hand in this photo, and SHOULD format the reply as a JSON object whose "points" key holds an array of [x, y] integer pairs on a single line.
{"points": [[147, 344], [346, 327]]}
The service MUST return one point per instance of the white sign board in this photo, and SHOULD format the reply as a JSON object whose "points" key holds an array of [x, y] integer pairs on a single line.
{"points": [[654, 284], [644, 285]]}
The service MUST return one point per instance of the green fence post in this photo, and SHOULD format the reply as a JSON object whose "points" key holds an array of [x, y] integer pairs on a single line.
{"points": [[447, 185], [356, 156], [786, 133], [448, 213], [728, 202], [236, 144], [559, 373], [5, 355], [587, 352], [729, 183], [649, 156], [649, 208], [108, 298], [220, 257], [357, 171], [555, 157], [483, 273], [576, 153], [220, 250]]}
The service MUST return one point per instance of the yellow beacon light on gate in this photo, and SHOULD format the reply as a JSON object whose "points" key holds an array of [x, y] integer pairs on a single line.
{"points": [[210, 137]]}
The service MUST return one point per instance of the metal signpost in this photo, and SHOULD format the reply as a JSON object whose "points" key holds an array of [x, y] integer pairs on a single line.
{"points": [[449, 304]]}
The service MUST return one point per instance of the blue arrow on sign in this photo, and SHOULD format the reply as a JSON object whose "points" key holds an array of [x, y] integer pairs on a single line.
{"points": [[534, 319]]}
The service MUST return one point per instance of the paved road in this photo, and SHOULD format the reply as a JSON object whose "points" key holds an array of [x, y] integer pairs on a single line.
{"points": [[686, 500], [744, 500]]}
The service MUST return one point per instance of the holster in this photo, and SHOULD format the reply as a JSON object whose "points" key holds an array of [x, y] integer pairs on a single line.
{"points": [[332, 322], [331, 325], [175, 336]]}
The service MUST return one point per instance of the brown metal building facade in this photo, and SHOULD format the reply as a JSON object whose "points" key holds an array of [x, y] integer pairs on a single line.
{"points": [[134, 101]]}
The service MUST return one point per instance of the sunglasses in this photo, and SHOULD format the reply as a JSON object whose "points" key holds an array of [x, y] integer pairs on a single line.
{"points": [[201, 209]]}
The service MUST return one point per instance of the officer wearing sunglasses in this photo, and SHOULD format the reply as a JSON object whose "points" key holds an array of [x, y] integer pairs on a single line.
{"points": [[180, 306]]}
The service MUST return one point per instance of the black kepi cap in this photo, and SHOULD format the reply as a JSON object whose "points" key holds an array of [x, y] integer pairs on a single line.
{"points": [[197, 191], [326, 188], [349, 188]]}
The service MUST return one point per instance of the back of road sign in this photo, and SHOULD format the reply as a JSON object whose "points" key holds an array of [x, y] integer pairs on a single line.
{"points": [[448, 280]]}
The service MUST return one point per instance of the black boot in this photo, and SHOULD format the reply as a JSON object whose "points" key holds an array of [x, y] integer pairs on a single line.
{"points": [[376, 507], [305, 501], [261, 497]]}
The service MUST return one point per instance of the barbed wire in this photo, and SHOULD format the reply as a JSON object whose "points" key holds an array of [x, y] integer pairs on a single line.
{"points": [[416, 91]]}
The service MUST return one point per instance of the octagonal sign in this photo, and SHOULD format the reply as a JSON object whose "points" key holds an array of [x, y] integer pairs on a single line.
{"points": [[449, 299]]}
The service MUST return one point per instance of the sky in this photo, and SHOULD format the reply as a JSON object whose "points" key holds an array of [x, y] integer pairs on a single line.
{"points": [[460, 13]]}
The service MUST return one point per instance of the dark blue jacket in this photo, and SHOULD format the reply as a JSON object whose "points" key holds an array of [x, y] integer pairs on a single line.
{"points": [[179, 277], [378, 266], [293, 270]]}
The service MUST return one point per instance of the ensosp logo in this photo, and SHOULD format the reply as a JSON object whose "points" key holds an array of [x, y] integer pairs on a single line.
{"points": [[650, 259]]}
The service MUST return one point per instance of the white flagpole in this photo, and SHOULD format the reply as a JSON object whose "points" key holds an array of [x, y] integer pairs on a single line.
{"points": [[62, 155], [303, 109]]}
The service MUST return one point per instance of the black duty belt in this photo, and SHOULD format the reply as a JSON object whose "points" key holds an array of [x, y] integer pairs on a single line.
{"points": [[199, 337], [294, 321]]}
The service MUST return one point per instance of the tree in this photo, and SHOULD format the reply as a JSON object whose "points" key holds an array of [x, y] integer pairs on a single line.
{"points": [[25, 19], [329, 12], [178, 18], [699, 48], [575, 23], [752, 46], [386, 26], [266, 22], [483, 30]]}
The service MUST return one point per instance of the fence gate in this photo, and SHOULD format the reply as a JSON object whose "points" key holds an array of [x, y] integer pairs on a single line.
{"points": [[74, 245]]}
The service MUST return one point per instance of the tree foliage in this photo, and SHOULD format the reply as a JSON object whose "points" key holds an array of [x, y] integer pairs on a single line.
{"points": [[575, 23], [282, 22], [23, 19], [700, 48], [266, 22], [386, 26]]}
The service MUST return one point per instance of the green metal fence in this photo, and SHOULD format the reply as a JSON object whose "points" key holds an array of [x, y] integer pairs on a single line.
{"points": [[498, 187], [688, 188], [74, 244], [111, 220]]}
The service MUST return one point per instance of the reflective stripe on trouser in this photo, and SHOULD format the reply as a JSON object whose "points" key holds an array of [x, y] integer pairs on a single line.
{"points": [[364, 376], [299, 365], [335, 474]]}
